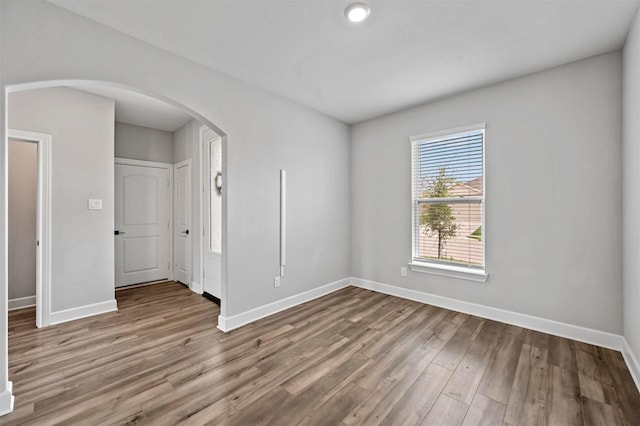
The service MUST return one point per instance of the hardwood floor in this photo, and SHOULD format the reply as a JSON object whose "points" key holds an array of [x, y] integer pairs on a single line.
{"points": [[352, 357]]}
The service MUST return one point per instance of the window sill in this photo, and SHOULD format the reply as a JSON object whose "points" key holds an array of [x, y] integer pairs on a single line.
{"points": [[461, 272]]}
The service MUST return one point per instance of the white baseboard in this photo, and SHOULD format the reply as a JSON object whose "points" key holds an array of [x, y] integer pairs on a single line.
{"points": [[22, 302], [575, 332], [196, 287], [556, 328], [235, 321], [633, 362], [6, 400], [82, 312]]}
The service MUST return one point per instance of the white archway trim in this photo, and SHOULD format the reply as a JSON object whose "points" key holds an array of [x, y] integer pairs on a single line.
{"points": [[43, 219]]}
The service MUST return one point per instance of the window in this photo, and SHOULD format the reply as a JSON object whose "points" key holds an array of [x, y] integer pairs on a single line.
{"points": [[448, 199]]}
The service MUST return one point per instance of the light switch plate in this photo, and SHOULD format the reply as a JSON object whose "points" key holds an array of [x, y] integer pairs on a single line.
{"points": [[95, 204]]}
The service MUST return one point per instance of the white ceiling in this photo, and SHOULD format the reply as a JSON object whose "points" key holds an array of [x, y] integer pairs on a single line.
{"points": [[141, 110], [406, 53]]}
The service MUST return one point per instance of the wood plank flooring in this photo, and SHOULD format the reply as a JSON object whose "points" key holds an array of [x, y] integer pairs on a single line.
{"points": [[352, 357]]}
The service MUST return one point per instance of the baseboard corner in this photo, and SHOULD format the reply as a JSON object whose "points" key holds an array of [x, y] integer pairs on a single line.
{"points": [[7, 399], [222, 324], [556, 328], [196, 287], [632, 361], [71, 314], [227, 324]]}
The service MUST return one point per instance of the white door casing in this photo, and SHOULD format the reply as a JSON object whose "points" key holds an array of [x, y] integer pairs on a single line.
{"points": [[211, 213], [142, 221], [182, 222], [43, 222]]}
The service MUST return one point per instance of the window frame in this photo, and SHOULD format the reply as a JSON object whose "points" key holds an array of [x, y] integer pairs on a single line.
{"points": [[439, 267]]}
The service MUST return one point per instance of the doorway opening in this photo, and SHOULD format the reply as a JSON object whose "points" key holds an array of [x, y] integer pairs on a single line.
{"points": [[80, 177], [29, 236], [211, 181], [60, 299]]}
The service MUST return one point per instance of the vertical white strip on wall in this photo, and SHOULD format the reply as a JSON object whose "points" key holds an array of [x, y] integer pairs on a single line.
{"points": [[283, 221]]}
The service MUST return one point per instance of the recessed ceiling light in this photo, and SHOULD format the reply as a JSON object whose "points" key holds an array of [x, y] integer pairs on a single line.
{"points": [[357, 12]]}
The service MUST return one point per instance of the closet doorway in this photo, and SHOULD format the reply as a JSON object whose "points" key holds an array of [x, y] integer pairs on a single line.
{"points": [[29, 215]]}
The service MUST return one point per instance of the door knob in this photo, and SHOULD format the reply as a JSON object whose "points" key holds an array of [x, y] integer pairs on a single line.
{"points": [[185, 232]]}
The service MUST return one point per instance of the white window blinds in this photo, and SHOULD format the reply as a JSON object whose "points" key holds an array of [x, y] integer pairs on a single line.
{"points": [[448, 198]]}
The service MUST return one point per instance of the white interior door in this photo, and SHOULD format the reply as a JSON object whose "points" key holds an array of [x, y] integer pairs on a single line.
{"points": [[142, 215], [212, 214], [182, 219]]}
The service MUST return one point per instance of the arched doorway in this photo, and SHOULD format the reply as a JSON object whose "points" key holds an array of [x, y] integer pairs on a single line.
{"points": [[80, 84]]}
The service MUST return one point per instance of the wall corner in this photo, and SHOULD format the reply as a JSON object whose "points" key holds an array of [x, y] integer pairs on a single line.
{"points": [[6, 399]]}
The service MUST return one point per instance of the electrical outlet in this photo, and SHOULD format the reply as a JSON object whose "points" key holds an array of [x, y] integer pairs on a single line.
{"points": [[403, 271], [276, 281]]}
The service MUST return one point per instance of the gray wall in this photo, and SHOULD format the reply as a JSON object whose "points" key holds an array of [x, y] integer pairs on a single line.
{"points": [[265, 133], [81, 129], [23, 191], [143, 143], [553, 194], [185, 141], [631, 185]]}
